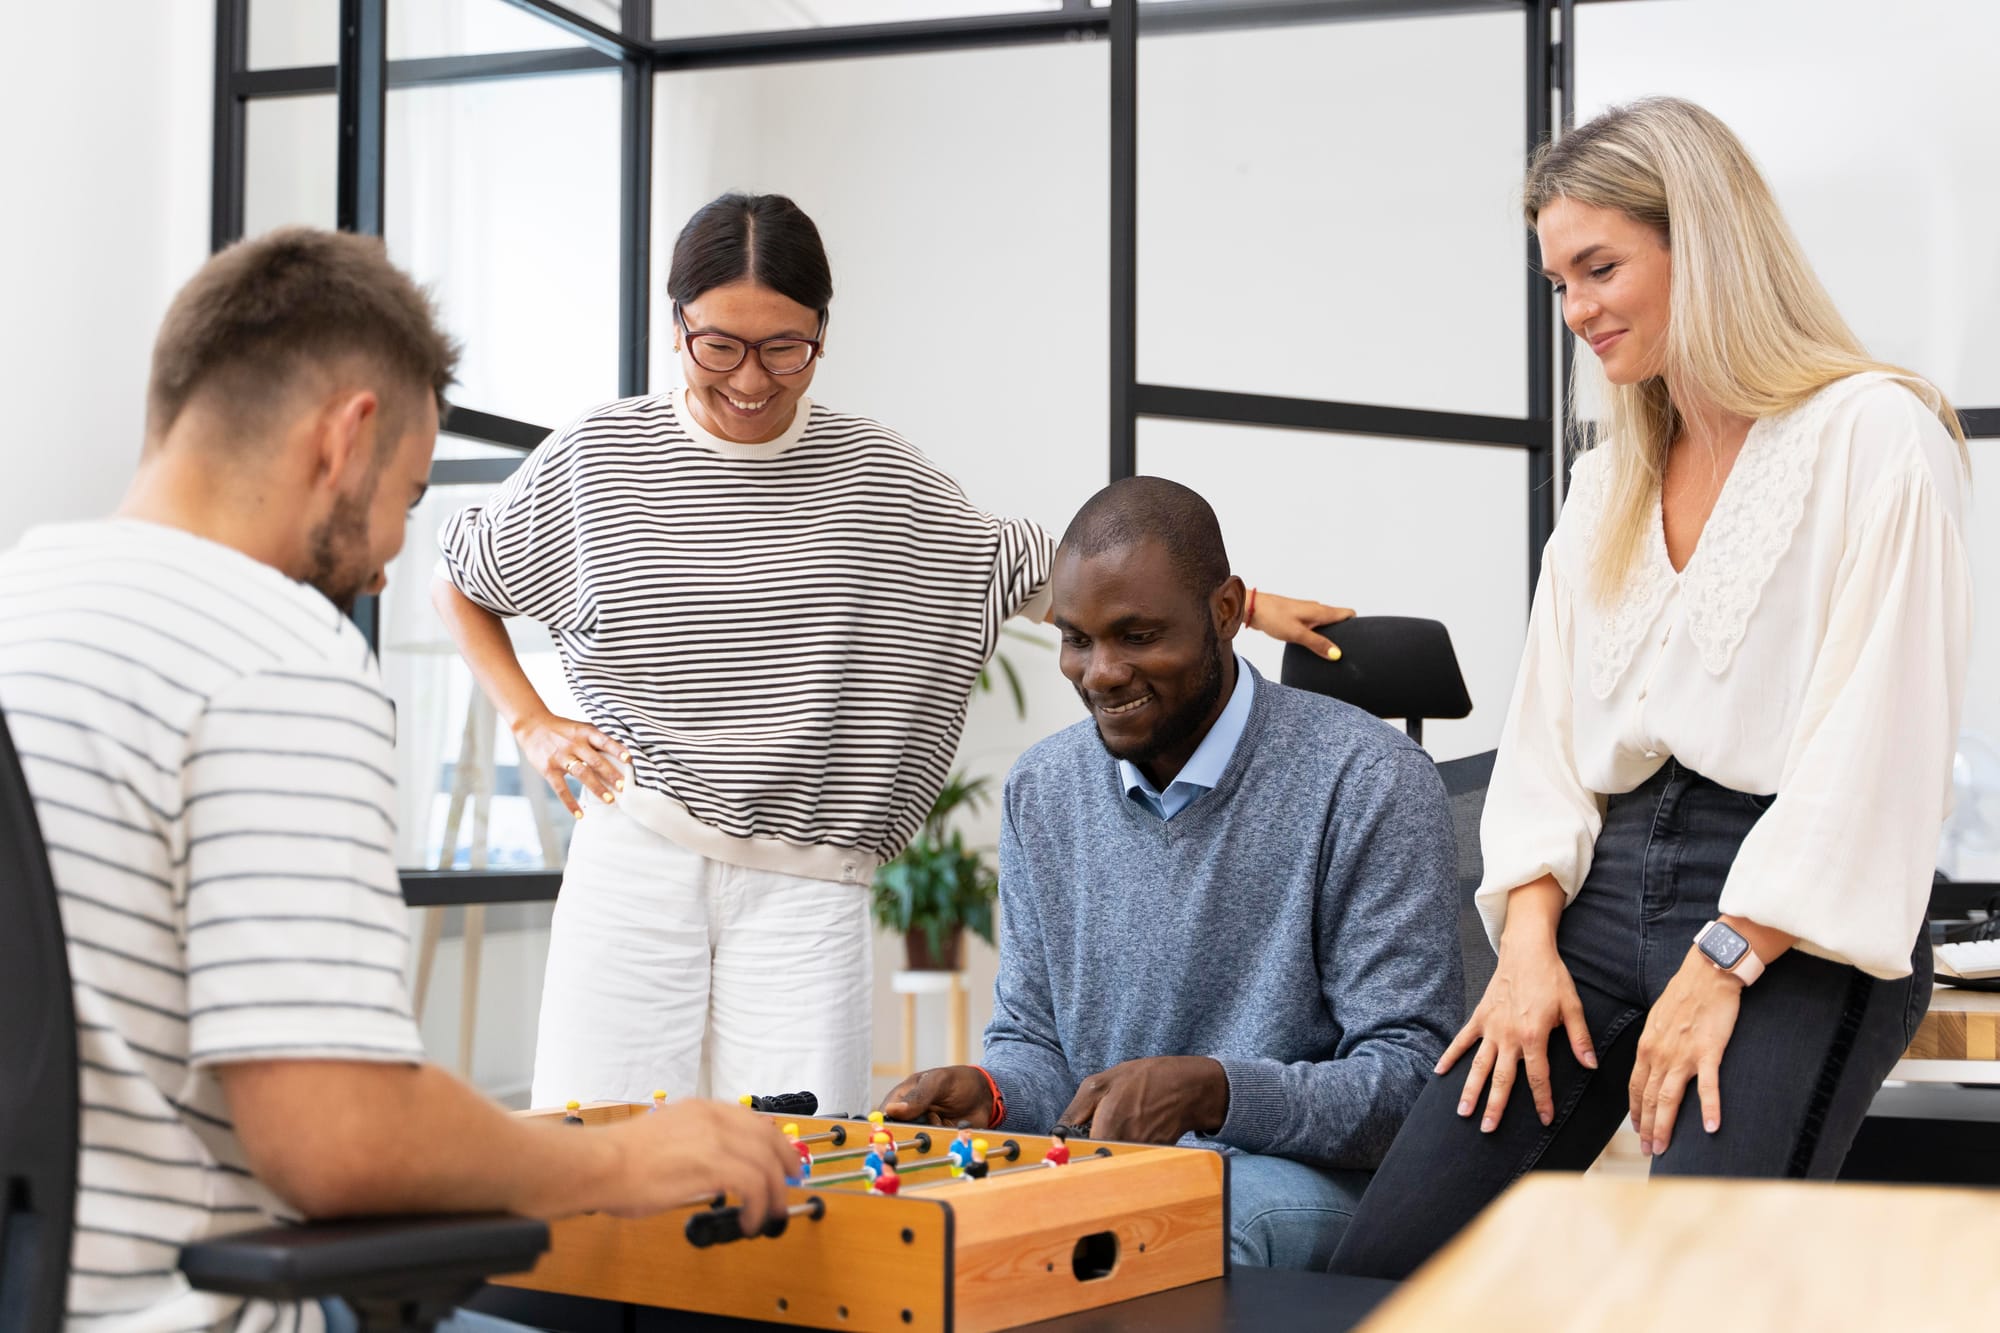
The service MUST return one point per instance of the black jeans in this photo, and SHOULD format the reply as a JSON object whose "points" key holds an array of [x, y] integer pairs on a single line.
{"points": [[1812, 1044]]}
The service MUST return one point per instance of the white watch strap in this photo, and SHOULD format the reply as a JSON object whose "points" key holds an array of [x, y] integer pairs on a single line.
{"points": [[1748, 968]]}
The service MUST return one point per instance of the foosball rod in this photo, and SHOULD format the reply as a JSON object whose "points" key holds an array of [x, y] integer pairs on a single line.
{"points": [[851, 1176], [921, 1142], [1011, 1170]]}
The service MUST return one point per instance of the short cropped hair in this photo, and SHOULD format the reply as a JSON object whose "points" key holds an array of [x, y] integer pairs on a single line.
{"points": [[264, 312], [1138, 508]]}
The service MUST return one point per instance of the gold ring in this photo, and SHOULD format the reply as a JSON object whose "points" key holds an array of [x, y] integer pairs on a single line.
{"points": [[570, 767]]}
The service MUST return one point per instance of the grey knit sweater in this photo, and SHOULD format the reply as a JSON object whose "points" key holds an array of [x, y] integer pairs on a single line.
{"points": [[1297, 923]]}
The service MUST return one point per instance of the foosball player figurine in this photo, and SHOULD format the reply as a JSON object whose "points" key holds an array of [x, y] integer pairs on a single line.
{"points": [[805, 1152], [1058, 1153], [887, 1182], [976, 1168], [659, 1099], [961, 1145], [881, 1148], [570, 1116]]}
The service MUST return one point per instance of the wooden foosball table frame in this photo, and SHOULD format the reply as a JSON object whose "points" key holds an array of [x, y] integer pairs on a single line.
{"points": [[946, 1255]]}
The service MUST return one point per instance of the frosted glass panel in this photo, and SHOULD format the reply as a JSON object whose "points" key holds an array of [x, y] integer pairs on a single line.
{"points": [[701, 18], [1388, 527], [290, 162], [1310, 225], [465, 802], [285, 33], [420, 28], [1876, 126], [504, 196], [967, 244]]}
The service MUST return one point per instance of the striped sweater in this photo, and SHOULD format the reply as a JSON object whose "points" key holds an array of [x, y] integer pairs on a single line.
{"points": [[785, 635]]}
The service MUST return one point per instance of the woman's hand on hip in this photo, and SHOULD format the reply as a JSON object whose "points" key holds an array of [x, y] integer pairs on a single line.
{"points": [[1530, 996], [1684, 1038], [560, 747]]}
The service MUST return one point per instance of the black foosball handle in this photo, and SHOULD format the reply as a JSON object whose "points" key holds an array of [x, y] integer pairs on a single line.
{"points": [[1073, 1131], [787, 1103], [720, 1226]]}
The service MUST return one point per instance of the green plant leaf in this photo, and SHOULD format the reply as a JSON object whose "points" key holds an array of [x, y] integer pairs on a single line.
{"points": [[938, 884], [1013, 685]]}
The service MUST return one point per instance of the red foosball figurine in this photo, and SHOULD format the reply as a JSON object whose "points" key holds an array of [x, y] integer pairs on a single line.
{"points": [[1058, 1153], [887, 1181]]}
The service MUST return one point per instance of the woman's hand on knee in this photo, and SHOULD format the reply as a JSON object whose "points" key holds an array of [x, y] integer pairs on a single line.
{"points": [[1685, 1036], [1531, 995]]}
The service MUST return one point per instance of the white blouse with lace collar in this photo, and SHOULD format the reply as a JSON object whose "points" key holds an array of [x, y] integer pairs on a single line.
{"points": [[1814, 647]]}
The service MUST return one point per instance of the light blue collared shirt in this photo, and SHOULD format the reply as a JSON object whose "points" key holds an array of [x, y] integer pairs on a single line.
{"points": [[1204, 767]]}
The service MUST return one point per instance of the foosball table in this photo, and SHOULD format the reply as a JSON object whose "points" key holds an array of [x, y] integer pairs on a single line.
{"points": [[1034, 1230]]}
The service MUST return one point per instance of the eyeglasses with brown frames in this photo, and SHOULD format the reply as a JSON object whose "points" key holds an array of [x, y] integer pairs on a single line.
{"points": [[718, 353]]}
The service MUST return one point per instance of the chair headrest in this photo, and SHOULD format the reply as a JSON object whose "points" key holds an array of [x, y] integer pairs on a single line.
{"points": [[1391, 666]]}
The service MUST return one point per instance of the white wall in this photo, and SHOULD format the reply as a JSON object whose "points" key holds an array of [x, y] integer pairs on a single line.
{"points": [[104, 153]]}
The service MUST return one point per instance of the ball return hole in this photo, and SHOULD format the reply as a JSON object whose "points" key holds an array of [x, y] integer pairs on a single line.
{"points": [[1095, 1256]]}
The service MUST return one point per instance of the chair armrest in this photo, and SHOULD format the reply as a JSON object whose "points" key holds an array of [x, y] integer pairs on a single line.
{"points": [[370, 1258]]}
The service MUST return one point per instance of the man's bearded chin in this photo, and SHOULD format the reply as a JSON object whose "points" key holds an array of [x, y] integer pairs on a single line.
{"points": [[1184, 721], [339, 569]]}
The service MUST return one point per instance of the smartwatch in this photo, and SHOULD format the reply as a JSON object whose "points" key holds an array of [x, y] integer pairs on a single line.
{"points": [[1729, 951]]}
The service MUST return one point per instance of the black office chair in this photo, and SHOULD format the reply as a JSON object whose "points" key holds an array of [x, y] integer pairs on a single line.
{"points": [[1465, 782], [401, 1275], [38, 1072], [1392, 666]]}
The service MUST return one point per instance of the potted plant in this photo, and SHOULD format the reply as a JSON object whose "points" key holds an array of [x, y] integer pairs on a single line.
{"points": [[938, 887]]}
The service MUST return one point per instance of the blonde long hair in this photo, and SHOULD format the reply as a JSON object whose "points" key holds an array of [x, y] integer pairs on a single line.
{"points": [[1750, 329]]}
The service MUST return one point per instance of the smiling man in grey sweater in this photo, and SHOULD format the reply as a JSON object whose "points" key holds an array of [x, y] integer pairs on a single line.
{"points": [[1227, 909]]}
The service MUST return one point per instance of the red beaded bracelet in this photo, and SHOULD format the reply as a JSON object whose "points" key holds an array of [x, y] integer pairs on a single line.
{"points": [[999, 1102]]}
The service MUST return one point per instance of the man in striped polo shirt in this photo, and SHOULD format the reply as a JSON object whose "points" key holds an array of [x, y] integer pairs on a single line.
{"points": [[210, 751]]}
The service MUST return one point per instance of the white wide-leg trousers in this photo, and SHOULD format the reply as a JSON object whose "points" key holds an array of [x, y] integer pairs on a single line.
{"points": [[675, 971]]}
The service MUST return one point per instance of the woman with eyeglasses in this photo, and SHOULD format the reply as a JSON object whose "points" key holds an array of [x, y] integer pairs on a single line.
{"points": [[773, 615]]}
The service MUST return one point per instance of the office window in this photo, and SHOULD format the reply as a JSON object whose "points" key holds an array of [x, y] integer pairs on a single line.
{"points": [[1395, 527], [1317, 220], [465, 802], [1875, 125], [702, 18], [504, 196], [967, 245], [289, 33], [290, 148], [420, 28]]}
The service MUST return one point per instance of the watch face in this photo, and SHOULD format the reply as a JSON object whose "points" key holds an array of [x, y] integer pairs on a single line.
{"points": [[1724, 947]]}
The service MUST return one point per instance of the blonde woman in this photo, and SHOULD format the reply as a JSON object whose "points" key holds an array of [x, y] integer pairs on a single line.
{"points": [[1710, 833]]}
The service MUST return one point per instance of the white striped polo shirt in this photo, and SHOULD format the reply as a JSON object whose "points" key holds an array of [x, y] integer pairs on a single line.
{"points": [[785, 635], [210, 754]]}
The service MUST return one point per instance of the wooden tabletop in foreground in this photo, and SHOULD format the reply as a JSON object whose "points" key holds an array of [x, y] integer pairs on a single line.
{"points": [[1961, 1025], [1563, 1253]]}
